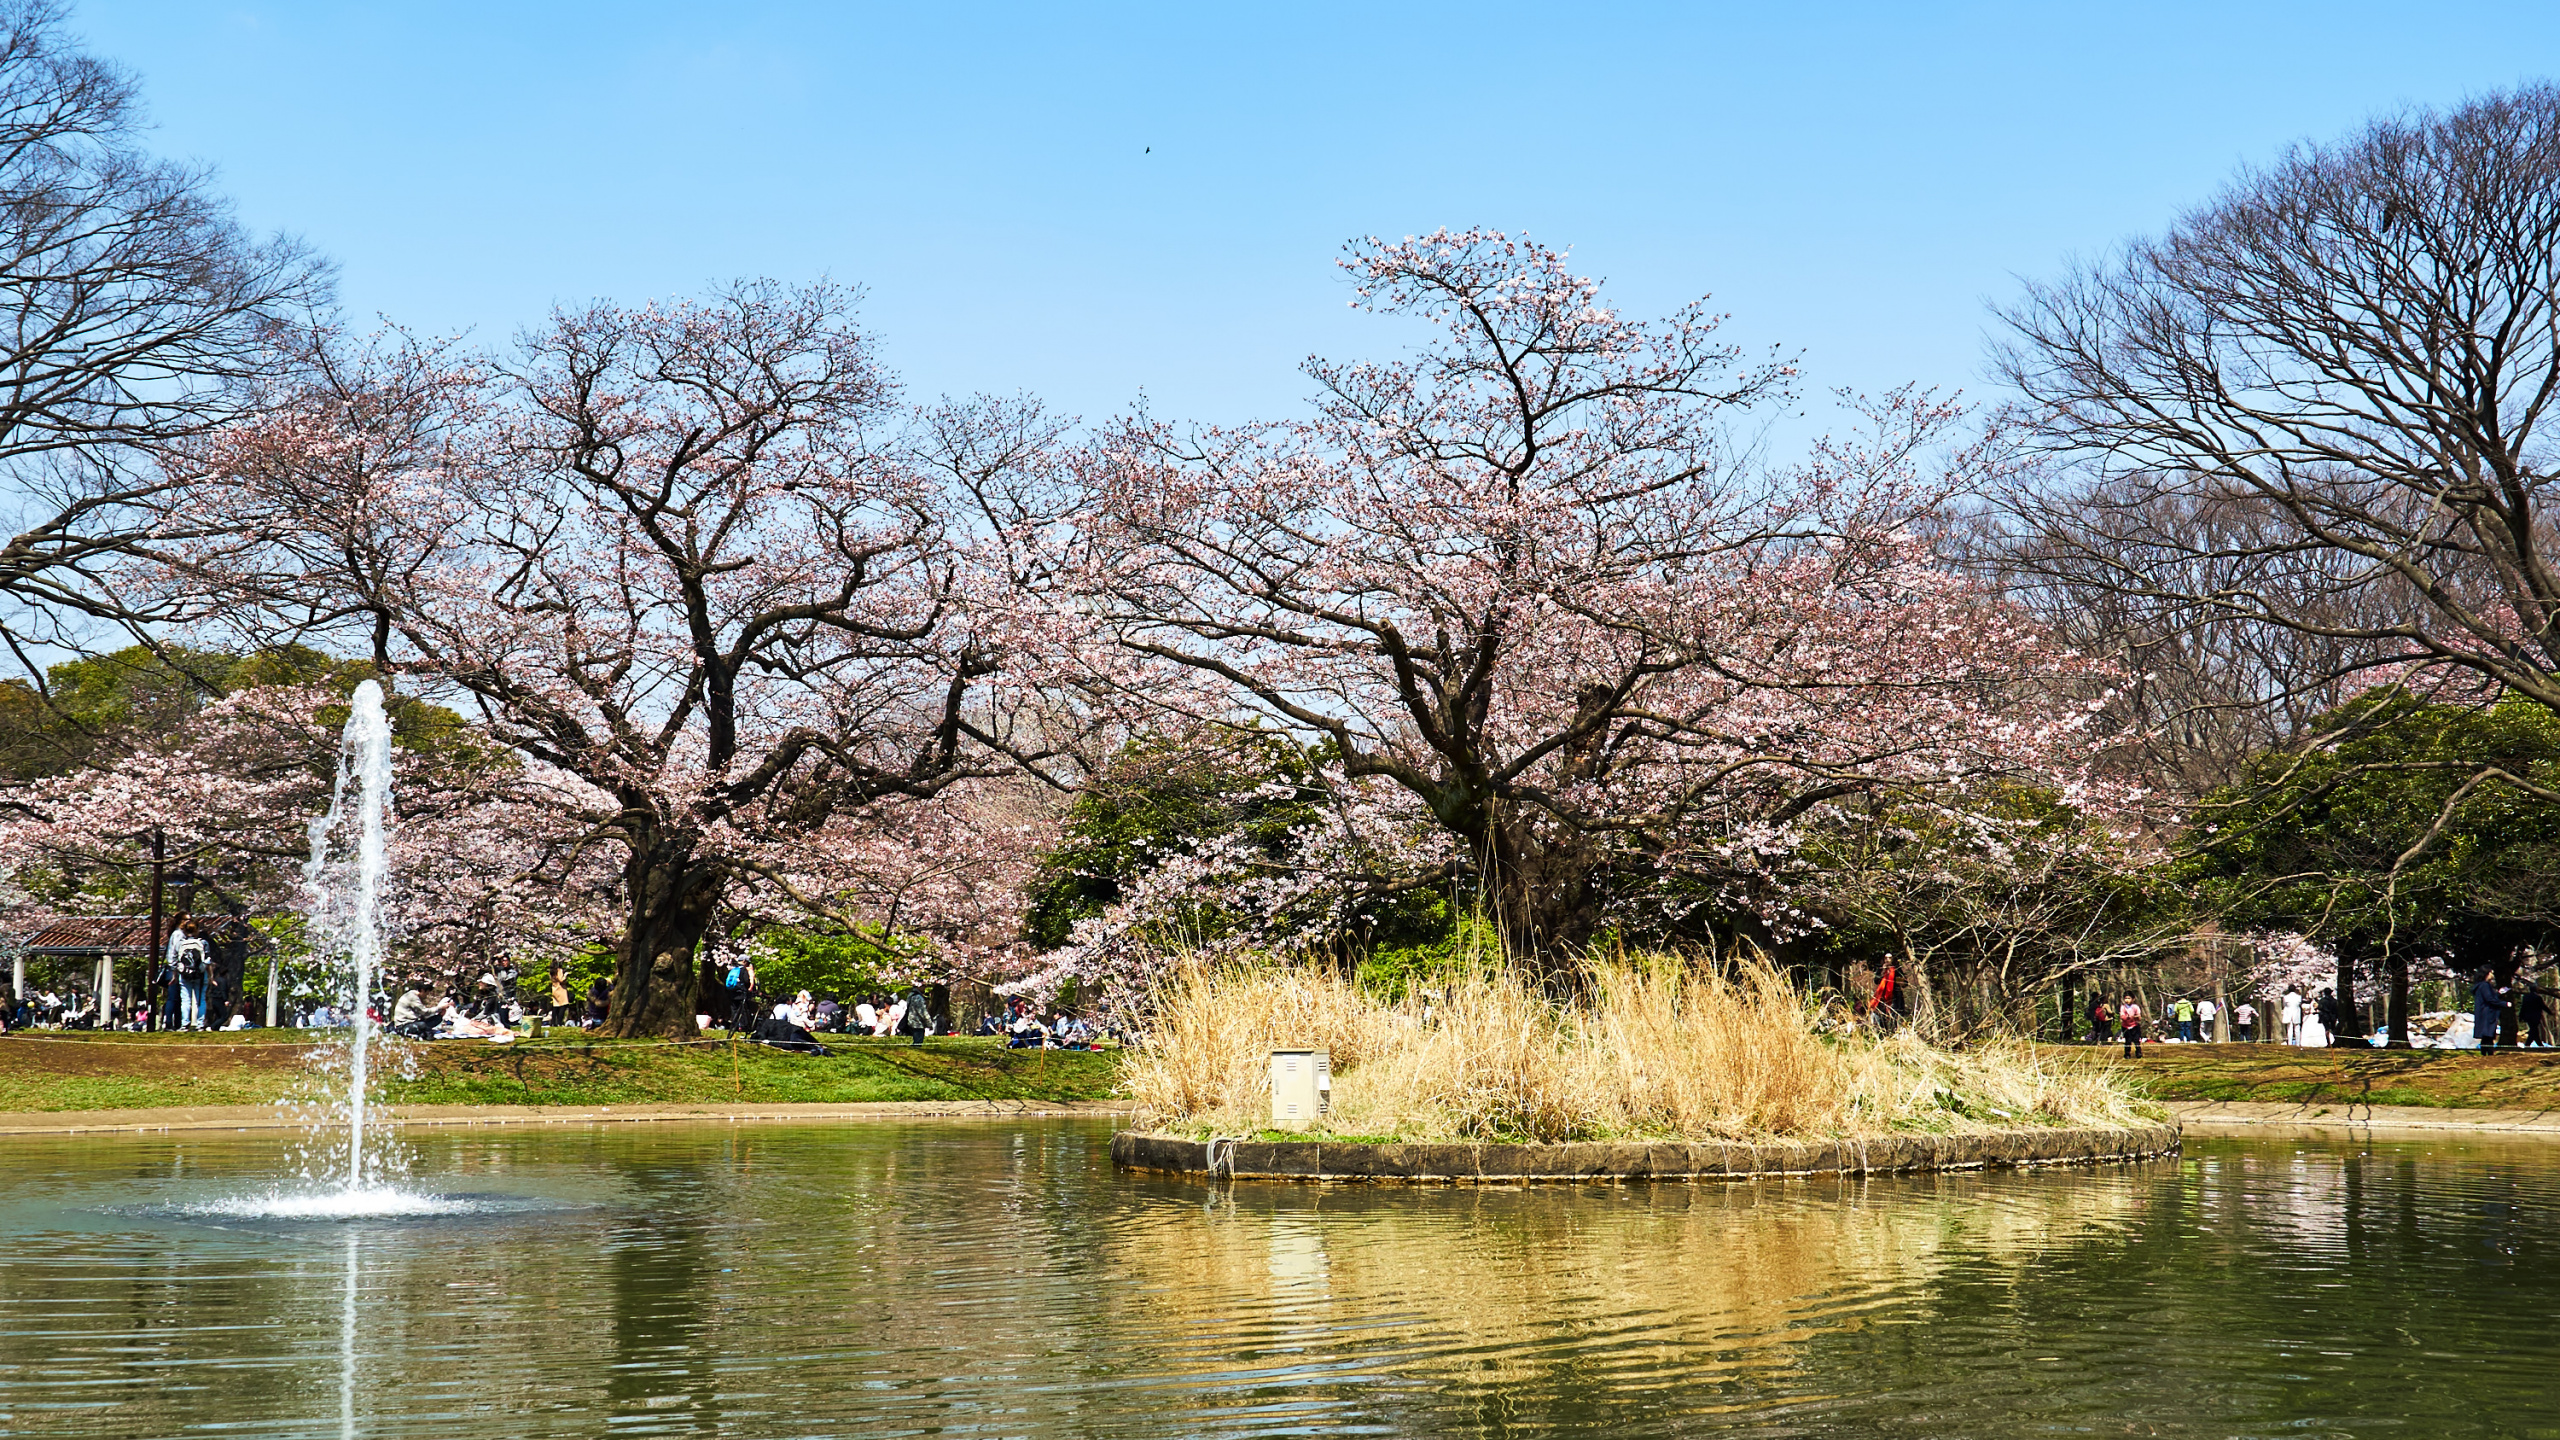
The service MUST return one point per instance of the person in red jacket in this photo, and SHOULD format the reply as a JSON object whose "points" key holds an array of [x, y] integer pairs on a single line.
{"points": [[2129, 1016], [1885, 1007]]}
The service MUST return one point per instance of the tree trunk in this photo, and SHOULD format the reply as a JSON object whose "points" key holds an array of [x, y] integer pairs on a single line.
{"points": [[673, 896], [2350, 1015], [1542, 902]]}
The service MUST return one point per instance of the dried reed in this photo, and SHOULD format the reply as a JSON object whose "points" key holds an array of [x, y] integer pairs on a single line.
{"points": [[1658, 1049]]}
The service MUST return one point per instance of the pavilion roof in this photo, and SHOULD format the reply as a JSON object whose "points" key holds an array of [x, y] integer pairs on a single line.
{"points": [[96, 934]]}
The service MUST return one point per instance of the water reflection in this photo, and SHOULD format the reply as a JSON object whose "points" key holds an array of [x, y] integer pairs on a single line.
{"points": [[1001, 1280]]}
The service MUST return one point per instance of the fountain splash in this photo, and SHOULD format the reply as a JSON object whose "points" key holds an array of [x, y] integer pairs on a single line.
{"points": [[343, 884]]}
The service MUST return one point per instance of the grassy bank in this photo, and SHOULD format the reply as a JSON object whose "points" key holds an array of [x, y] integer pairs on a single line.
{"points": [[1658, 1050], [2464, 1079], [47, 1073]]}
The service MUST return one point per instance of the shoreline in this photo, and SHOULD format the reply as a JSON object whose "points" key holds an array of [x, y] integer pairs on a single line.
{"points": [[1463, 1163], [2330, 1115], [271, 1117]]}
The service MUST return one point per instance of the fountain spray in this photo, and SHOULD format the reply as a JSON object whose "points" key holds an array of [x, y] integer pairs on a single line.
{"points": [[346, 899]]}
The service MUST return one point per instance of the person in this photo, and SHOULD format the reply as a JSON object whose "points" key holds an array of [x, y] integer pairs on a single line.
{"points": [[559, 993], [2244, 1022], [2488, 1007], [781, 1032], [866, 1018], [183, 962], [2184, 1014], [2129, 1018], [736, 980], [2329, 1013], [916, 1019], [1884, 1007], [599, 1001], [411, 1016], [890, 1013], [240, 1018], [2533, 1013], [830, 1014], [2289, 1015], [2206, 1014], [991, 1023], [1026, 1032], [803, 1010], [2102, 1021]]}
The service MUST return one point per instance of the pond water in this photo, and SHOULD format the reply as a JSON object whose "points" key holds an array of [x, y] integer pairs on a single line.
{"points": [[939, 1278]]}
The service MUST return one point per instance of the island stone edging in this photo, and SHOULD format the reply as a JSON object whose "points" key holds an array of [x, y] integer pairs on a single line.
{"points": [[1460, 1163]]}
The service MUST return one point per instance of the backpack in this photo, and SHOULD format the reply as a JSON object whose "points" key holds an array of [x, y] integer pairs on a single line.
{"points": [[737, 977], [191, 959]]}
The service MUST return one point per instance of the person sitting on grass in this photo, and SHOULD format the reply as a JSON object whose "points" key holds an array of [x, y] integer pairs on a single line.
{"points": [[866, 1017], [1027, 1033], [412, 1015], [990, 1024], [830, 1015], [782, 1033]]}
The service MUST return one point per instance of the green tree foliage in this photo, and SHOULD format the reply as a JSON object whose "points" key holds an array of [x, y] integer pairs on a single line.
{"points": [[1162, 801], [2418, 830]]}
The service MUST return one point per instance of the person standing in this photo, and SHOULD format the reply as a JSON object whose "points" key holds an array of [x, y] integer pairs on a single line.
{"points": [[1885, 1006], [2102, 1020], [917, 1016], [186, 957], [2206, 1014], [2488, 1008], [2184, 1013], [559, 993], [2244, 1022], [2289, 1014], [2533, 1013], [2129, 1019]]}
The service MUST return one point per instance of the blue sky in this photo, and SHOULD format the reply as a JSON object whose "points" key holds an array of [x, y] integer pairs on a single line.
{"points": [[1092, 202]]}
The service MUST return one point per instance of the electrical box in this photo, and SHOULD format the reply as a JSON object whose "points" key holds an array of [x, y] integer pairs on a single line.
{"points": [[1301, 1088]]}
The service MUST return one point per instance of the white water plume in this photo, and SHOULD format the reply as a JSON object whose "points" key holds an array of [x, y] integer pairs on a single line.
{"points": [[343, 885]]}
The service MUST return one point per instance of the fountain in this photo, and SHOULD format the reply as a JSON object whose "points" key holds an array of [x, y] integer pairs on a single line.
{"points": [[344, 890], [343, 885]]}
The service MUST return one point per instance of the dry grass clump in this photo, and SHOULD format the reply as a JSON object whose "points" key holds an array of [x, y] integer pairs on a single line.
{"points": [[1659, 1050]]}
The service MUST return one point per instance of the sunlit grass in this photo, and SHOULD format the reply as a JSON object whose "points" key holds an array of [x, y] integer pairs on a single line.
{"points": [[1657, 1049]]}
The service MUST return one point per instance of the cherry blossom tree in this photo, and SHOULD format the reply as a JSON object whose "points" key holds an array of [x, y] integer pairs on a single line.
{"points": [[1523, 579], [483, 868], [693, 557]]}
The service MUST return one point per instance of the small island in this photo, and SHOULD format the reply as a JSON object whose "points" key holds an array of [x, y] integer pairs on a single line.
{"points": [[1660, 1068]]}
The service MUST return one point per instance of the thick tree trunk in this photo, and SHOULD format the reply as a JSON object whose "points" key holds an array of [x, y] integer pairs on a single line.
{"points": [[2351, 1024], [673, 897], [1543, 902]]}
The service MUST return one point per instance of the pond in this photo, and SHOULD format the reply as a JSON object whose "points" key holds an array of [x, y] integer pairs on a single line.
{"points": [[976, 1278]]}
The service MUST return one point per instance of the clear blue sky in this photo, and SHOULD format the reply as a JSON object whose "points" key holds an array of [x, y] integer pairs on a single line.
{"points": [[1857, 181]]}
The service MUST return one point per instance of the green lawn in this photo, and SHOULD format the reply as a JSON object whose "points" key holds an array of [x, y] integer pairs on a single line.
{"points": [[2460, 1079], [43, 1073]]}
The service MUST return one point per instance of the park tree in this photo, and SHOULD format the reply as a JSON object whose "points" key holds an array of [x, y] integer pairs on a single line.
{"points": [[2429, 831], [1989, 906], [227, 784], [2315, 409], [134, 313], [692, 557], [1521, 585]]}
